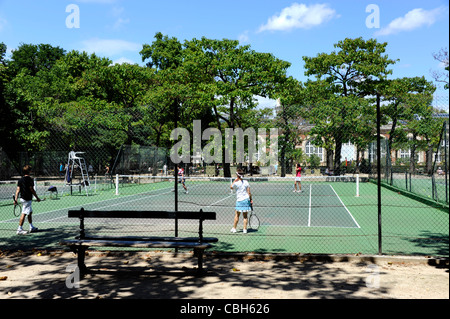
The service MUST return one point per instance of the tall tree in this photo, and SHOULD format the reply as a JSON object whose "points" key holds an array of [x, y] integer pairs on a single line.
{"points": [[351, 72], [439, 76], [27, 129], [33, 58], [403, 100], [5, 114], [232, 76], [173, 98], [289, 120]]}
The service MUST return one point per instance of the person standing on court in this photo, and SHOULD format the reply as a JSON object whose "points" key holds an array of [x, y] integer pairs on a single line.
{"points": [[298, 178], [25, 188], [61, 169], [243, 200], [181, 178]]}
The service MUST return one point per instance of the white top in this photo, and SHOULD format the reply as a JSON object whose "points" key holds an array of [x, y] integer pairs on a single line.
{"points": [[241, 190]]}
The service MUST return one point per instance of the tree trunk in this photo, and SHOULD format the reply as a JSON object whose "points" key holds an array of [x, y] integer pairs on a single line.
{"points": [[412, 158], [330, 155], [429, 159], [337, 157]]}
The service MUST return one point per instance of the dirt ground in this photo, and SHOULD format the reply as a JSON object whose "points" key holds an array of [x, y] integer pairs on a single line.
{"points": [[166, 275]]}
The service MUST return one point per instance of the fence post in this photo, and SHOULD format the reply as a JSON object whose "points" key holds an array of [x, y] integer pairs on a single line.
{"points": [[379, 173], [175, 173], [446, 160], [406, 181]]}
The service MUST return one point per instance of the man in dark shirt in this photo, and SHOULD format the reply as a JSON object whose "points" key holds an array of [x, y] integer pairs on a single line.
{"points": [[25, 188]]}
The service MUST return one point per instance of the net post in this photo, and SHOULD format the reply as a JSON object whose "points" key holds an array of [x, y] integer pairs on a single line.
{"points": [[357, 185], [117, 184]]}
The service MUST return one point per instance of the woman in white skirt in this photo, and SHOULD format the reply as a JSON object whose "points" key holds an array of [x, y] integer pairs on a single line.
{"points": [[298, 179], [243, 200]]}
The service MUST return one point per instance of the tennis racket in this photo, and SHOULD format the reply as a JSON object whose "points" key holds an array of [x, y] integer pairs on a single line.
{"points": [[253, 221], [17, 207]]}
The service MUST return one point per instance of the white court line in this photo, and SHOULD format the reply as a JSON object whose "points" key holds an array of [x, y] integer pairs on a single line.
{"points": [[354, 220], [133, 200], [99, 202], [126, 202], [219, 200]]}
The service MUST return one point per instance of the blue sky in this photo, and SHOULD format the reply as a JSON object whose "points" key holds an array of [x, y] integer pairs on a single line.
{"points": [[289, 29]]}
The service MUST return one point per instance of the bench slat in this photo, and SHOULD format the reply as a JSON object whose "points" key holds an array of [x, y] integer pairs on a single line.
{"points": [[136, 244], [135, 238], [142, 214], [81, 243]]}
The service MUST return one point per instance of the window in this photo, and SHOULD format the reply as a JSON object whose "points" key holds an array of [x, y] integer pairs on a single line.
{"points": [[348, 151], [405, 153], [441, 151], [310, 149]]}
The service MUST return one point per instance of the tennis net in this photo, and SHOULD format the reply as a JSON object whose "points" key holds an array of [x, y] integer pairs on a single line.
{"points": [[220, 186]]}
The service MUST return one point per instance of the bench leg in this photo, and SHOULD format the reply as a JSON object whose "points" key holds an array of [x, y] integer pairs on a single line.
{"points": [[199, 253], [80, 251]]}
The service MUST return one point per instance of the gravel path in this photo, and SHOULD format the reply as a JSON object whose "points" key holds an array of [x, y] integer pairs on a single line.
{"points": [[156, 275]]}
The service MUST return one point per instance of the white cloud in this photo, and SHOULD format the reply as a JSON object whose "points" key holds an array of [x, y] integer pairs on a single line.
{"points": [[243, 37], [117, 13], [120, 22], [97, 1], [414, 19], [109, 47], [123, 60], [299, 16], [443, 64], [265, 102]]}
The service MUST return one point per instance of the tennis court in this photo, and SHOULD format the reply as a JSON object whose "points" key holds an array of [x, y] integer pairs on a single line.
{"points": [[330, 215]]}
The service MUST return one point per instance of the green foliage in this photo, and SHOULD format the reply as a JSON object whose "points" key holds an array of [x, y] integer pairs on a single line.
{"points": [[49, 96], [313, 161]]}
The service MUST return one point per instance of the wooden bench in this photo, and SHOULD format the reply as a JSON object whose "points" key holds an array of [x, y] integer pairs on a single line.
{"points": [[81, 243]]}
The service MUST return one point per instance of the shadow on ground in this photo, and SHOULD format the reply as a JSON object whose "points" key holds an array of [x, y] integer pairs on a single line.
{"points": [[47, 275]]}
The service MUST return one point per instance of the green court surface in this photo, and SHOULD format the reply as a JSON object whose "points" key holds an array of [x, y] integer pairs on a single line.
{"points": [[326, 217], [434, 188]]}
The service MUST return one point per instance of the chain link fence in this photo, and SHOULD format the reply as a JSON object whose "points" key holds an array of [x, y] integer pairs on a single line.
{"points": [[364, 189]]}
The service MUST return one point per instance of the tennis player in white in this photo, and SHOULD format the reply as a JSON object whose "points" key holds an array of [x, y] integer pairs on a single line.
{"points": [[243, 200], [181, 179]]}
